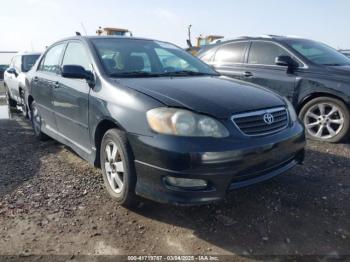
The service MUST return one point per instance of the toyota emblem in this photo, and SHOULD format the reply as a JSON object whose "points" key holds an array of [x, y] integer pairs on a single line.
{"points": [[269, 119]]}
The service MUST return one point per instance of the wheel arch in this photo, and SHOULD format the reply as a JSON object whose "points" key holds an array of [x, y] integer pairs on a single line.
{"points": [[101, 128], [30, 100], [312, 96], [20, 88]]}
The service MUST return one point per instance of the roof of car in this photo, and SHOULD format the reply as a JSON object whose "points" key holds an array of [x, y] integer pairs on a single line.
{"points": [[105, 37], [27, 53], [262, 37]]}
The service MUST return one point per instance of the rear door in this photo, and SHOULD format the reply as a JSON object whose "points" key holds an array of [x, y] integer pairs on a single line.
{"points": [[262, 70], [45, 81], [229, 59], [71, 99]]}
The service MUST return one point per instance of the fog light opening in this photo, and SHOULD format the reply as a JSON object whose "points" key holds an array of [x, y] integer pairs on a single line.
{"points": [[186, 183]]}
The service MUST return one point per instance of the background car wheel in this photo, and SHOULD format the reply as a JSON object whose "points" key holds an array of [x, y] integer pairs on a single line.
{"points": [[326, 119], [24, 106], [10, 101], [118, 167], [37, 122]]}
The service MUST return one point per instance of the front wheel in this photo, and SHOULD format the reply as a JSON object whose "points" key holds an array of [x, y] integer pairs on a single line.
{"points": [[118, 167], [326, 119], [11, 102]]}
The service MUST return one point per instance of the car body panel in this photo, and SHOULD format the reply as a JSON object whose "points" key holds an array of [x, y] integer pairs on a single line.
{"points": [[197, 94], [74, 110], [16, 82], [297, 85], [239, 163]]}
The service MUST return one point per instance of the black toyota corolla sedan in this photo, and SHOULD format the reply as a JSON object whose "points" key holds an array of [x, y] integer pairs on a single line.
{"points": [[159, 122], [312, 75]]}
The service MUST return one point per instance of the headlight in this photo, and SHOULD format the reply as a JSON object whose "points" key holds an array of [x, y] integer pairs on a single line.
{"points": [[293, 115], [180, 122]]}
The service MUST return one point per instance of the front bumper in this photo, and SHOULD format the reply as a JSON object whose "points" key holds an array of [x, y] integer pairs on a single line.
{"points": [[226, 164]]}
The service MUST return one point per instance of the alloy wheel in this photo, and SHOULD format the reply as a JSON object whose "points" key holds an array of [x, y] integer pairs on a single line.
{"points": [[324, 120], [114, 167]]}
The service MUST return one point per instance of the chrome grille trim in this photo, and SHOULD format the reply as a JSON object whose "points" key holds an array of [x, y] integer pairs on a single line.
{"points": [[252, 123]]}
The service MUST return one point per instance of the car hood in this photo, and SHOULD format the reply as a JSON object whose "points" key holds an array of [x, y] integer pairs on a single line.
{"points": [[217, 96], [340, 70]]}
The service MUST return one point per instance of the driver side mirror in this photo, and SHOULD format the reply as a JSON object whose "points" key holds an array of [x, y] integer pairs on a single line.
{"points": [[77, 72], [287, 61], [12, 71]]}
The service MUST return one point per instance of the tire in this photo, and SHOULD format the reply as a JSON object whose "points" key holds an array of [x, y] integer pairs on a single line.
{"points": [[9, 100], [37, 122], [319, 125], [24, 107], [118, 168]]}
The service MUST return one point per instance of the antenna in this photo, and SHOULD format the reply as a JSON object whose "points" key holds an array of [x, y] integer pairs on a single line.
{"points": [[189, 43], [82, 25]]}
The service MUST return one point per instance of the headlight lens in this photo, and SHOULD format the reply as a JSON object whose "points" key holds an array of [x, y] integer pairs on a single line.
{"points": [[293, 115], [180, 122]]}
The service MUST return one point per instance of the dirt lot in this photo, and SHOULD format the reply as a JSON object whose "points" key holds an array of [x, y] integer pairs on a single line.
{"points": [[53, 203]]}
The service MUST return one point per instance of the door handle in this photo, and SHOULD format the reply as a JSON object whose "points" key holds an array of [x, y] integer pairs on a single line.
{"points": [[56, 85], [36, 79], [248, 74]]}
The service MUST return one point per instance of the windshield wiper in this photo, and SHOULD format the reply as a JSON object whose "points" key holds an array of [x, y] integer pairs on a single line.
{"points": [[135, 74], [186, 73]]}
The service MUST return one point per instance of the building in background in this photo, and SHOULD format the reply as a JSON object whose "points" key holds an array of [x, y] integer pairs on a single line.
{"points": [[203, 41], [207, 40], [113, 31]]}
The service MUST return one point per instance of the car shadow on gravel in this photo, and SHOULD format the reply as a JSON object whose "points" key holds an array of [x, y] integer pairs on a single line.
{"points": [[304, 212], [20, 152]]}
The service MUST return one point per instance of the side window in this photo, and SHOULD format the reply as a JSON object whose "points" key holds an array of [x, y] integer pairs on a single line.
{"points": [[51, 61], [263, 53], [76, 55], [231, 53]]}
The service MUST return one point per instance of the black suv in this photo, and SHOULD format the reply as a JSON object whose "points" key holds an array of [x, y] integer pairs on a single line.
{"points": [[314, 76], [160, 122]]}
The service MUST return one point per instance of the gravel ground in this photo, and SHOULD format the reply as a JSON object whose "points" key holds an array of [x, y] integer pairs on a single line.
{"points": [[53, 203]]}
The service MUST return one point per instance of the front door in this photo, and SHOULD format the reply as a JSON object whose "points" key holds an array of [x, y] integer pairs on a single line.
{"points": [[262, 70], [71, 100]]}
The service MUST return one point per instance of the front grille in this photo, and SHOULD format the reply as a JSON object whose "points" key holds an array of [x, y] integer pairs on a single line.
{"points": [[262, 122]]}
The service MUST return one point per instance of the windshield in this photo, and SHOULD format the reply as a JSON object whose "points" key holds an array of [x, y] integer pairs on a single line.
{"points": [[319, 53], [28, 62], [145, 58]]}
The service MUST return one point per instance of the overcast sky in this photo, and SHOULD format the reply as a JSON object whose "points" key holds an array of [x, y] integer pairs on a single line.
{"points": [[27, 24]]}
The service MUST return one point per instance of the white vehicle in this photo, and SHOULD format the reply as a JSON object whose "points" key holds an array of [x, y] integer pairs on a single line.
{"points": [[14, 78], [5, 60]]}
